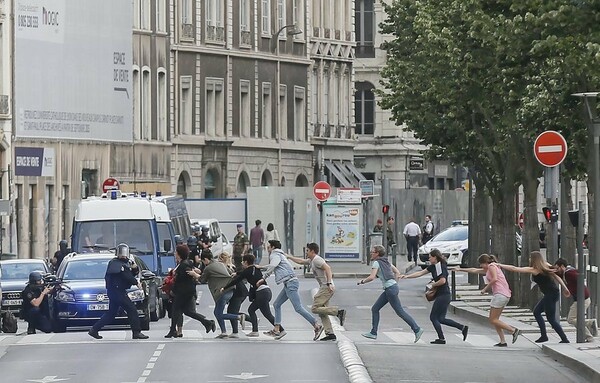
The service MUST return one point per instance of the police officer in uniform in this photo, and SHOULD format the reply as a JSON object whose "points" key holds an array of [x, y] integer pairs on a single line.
{"points": [[204, 240], [240, 247], [192, 244], [35, 304], [60, 254], [120, 275]]}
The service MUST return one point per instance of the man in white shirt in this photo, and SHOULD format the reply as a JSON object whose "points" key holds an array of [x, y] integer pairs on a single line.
{"points": [[427, 229], [412, 233]]}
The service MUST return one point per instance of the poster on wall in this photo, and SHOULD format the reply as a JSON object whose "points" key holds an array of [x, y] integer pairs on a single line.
{"points": [[342, 225], [73, 63]]}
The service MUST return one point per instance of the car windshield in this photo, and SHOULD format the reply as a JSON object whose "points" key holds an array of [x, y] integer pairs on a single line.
{"points": [[99, 235], [454, 234], [16, 271], [85, 269]]}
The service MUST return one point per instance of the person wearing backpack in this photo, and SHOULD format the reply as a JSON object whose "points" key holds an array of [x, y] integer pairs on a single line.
{"points": [[35, 304]]}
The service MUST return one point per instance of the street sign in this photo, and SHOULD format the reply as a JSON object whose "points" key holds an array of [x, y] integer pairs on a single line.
{"points": [[550, 148], [322, 191], [367, 187], [349, 195], [110, 184]]}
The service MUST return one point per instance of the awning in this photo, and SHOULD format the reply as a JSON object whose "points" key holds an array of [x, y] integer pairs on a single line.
{"points": [[345, 172]]}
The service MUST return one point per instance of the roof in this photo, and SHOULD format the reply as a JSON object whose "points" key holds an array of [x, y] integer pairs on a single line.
{"points": [[104, 209]]}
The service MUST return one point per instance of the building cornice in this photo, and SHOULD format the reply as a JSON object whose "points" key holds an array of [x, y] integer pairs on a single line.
{"points": [[242, 54]]}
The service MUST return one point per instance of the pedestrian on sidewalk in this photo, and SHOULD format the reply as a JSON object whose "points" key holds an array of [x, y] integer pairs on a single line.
{"points": [[570, 275], [387, 274], [184, 295], [412, 233], [378, 228], [284, 274], [546, 280], [324, 277], [496, 282], [439, 272], [259, 297]]}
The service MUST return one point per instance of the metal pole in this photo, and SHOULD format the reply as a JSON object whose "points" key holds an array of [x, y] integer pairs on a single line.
{"points": [[322, 231], [595, 255], [580, 277]]}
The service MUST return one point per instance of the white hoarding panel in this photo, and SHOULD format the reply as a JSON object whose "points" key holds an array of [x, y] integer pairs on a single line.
{"points": [[73, 69]]}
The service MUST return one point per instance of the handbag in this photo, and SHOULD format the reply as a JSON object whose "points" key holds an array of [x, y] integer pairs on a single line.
{"points": [[9, 322], [430, 294]]}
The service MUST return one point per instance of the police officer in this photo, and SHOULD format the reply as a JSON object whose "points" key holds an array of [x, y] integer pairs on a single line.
{"points": [[240, 247], [192, 243], [178, 240], [35, 304], [204, 239], [60, 254], [120, 275]]}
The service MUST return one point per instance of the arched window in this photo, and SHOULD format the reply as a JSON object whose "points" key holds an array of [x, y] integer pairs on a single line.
{"points": [[266, 179], [182, 184], [364, 108], [211, 184], [301, 181], [243, 184]]}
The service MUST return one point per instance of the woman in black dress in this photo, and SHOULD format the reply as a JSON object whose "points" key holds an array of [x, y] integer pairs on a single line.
{"points": [[184, 290]]}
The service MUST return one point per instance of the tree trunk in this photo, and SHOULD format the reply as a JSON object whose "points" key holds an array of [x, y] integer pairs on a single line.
{"points": [[503, 233], [477, 228]]}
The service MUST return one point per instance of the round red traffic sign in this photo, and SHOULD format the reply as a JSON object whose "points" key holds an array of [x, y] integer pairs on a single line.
{"points": [[550, 148], [110, 184], [322, 191]]}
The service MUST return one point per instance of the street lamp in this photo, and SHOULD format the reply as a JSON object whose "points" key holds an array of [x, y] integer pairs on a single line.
{"points": [[593, 122], [292, 30]]}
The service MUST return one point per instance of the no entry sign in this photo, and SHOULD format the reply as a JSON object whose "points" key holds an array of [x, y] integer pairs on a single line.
{"points": [[550, 148], [322, 191], [110, 184]]}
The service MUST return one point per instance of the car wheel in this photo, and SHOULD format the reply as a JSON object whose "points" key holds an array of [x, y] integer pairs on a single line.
{"points": [[155, 314]]}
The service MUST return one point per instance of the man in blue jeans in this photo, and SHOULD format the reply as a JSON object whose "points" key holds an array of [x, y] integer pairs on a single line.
{"points": [[284, 273]]}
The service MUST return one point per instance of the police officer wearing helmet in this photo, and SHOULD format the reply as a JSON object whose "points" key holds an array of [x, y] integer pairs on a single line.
{"points": [[204, 239], [35, 304], [178, 240], [192, 244], [120, 275]]}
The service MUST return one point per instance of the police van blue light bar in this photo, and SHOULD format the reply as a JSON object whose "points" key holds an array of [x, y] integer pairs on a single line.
{"points": [[158, 193], [143, 194], [113, 194]]}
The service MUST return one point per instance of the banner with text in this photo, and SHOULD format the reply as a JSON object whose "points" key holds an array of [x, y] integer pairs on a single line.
{"points": [[34, 162], [73, 69], [342, 232]]}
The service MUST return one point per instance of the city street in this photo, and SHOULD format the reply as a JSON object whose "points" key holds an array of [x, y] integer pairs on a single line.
{"points": [[75, 357]]}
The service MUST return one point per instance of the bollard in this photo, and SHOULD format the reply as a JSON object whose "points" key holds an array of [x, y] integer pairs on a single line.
{"points": [[453, 285]]}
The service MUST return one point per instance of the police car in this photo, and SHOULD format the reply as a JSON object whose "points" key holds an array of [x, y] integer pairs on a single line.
{"points": [[14, 276], [81, 298]]}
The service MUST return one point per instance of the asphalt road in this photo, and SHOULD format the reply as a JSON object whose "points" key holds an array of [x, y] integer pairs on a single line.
{"points": [[393, 357]]}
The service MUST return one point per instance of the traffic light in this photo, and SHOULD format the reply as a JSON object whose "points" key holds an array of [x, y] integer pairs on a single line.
{"points": [[386, 209], [547, 214]]}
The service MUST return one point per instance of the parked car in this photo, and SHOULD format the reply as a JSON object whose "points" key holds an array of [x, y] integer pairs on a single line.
{"points": [[452, 242], [14, 275], [81, 298]]}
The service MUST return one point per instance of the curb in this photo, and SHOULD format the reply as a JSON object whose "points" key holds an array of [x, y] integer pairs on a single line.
{"points": [[568, 356]]}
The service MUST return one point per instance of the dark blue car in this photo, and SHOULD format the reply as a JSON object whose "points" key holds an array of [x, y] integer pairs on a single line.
{"points": [[81, 298]]}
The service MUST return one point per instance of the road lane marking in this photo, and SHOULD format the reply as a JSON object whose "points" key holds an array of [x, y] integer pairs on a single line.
{"points": [[160, 346], [146, 372], [150, 366], [157, 353], [153, 359]]}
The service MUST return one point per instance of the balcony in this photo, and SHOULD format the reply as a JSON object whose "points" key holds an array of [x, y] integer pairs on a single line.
{"points": [[327, 132], [317, 130], [245, 38], [214, 33], [187, 31], [327, 33], [4, 104], [316, 32], [338, 34]]}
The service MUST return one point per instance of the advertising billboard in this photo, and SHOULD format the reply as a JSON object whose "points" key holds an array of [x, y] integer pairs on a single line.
{"points": [[38, 162], [73, 69], [343, 235]]}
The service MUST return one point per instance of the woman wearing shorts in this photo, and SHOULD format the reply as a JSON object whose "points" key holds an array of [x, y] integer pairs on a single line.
{"points": [[501, 295]]}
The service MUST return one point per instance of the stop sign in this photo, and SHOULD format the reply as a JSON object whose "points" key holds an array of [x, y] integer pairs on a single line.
{"points": [[110, 184], [322, 191], [550, 148]]}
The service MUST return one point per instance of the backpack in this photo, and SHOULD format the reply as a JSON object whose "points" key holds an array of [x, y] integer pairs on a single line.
{"points": [[168, 282], [9, 322]]}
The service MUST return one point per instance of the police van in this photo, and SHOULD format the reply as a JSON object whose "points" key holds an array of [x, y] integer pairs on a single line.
{"points": [[101, 223]]}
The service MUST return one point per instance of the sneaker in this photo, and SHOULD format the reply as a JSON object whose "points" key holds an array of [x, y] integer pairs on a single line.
{"points": [[501, 345], [541, 339], [418, 334], [328, 337], [341, 316], [139, 335], [280, 334], [318, 331], [369, 335], [515, 335], [438, 341], [270, 333], [222, 336], [242, 319], [92, 333], [253, 334], [234, 335], [465, 332]]}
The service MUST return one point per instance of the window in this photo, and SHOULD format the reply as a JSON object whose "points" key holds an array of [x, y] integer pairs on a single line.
{"points": [[136, 14], [267, 125], [245, 15], [281, 20], [145, 14], [298, 17], [245, 108], [161, 107], [146, 120], [283, 113], [214, 13], [316, 13], [364, 108], [215, 122], [315, 99], [185, 105], [137, 106], [299, 114], [161, 16], [364, 28], [266, 17], [186, 11]]}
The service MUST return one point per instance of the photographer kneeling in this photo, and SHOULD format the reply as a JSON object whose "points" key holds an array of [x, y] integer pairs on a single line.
{"points": [[35, 304]]}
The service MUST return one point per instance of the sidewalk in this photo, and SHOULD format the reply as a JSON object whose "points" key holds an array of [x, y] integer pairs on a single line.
{"points": [[581, 357], [359, 270]]}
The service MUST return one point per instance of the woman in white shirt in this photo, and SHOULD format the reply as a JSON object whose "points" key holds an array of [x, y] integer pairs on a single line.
{"points": [[271, 234]]}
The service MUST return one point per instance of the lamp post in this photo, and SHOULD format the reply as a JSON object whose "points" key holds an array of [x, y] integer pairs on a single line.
{"points": [[293, 30], [593, 122]]}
